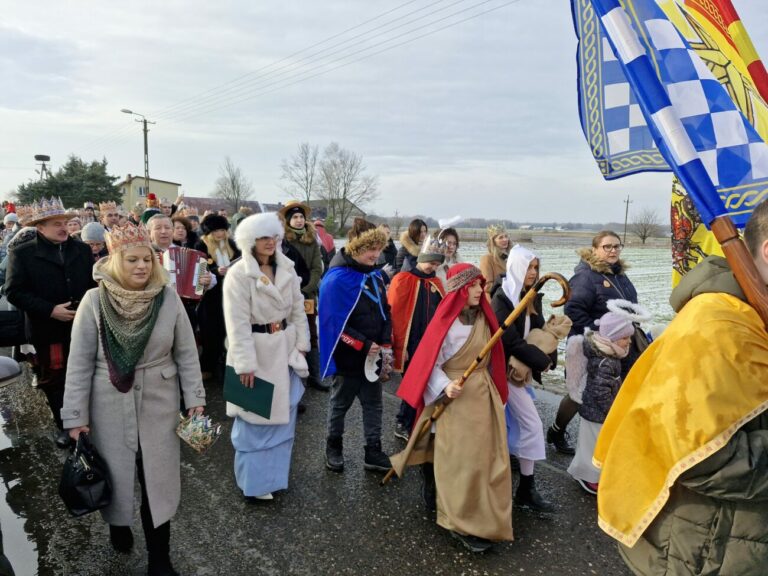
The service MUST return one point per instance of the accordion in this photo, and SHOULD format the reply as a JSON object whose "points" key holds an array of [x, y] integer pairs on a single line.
{"points": [[185, 266]]}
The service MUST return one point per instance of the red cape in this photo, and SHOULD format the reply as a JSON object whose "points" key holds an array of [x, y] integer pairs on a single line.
{"points": [[402, 295], [423, 362]]}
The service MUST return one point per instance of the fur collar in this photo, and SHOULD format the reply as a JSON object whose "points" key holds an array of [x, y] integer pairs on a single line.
{"points": [[409, 244], [597, 265], [309, 237]]}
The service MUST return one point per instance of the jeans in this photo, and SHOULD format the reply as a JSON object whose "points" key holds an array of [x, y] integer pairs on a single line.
{"points": [[343, 393]]}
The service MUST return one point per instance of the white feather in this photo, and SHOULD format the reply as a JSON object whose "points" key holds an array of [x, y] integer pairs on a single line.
{"points": [[447, 223]]}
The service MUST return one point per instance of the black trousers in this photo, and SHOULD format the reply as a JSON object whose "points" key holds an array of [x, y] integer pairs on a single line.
{"points": [[51, 374]]}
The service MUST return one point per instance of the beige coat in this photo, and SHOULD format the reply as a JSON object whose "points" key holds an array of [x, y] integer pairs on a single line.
{"points": [[146, 416], [251, 298]]}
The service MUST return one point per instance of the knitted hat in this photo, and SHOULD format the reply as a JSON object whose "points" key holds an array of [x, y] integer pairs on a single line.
{"points": [[152, 201], [257, 226], [432, 250], [294, 207], [93, 232], [459, 275], [615, 326], [148, 213], [373, 239], [11, 217], [214, 222]]}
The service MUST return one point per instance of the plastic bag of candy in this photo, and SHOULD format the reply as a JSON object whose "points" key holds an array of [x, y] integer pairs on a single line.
{"points": [[199, 431]]}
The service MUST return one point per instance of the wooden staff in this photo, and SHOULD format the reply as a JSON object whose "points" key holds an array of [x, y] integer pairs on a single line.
{"points": [[519, 309]]}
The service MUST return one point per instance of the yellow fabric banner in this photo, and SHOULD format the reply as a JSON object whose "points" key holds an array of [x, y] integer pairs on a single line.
{"points": [[686, 396]]}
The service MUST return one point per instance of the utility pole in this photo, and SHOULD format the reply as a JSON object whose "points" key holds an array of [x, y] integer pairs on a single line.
{"points": [[144, 121], [626, 217]]}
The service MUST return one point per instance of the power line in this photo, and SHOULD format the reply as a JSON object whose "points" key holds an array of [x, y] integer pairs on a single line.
{"points": [[297, 78]]}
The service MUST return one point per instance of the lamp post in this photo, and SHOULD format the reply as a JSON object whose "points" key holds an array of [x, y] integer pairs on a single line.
{"points": [[144, 121], [626, 217]]}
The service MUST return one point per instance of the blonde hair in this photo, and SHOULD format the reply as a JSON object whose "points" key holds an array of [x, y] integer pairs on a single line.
{"points": [[211, 244], [113, 265]]}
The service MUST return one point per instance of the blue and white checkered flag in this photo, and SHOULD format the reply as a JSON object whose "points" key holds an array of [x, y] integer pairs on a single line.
{"points": [[715, 152]]}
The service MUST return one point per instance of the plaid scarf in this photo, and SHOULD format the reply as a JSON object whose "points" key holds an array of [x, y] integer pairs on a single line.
{"points": [[127, 320]]}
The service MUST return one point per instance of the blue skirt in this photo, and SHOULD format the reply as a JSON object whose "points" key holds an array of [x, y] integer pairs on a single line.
{"points": [[262, 452]]}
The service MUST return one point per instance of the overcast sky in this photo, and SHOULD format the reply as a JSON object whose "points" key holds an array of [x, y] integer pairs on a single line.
{"points": [[479, 119]]}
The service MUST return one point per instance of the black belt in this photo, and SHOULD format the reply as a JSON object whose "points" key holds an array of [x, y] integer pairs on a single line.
{"points": [[270, 328]]}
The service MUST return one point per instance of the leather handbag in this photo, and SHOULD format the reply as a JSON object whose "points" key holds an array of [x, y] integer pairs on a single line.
{"points": [[12, 329], [85, 484]]}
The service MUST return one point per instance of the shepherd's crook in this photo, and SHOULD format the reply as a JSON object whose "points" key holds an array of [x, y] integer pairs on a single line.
{"points": [[529, 296]]}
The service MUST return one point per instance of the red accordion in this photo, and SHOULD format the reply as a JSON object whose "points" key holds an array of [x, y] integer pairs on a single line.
{"points": [[185, 266]]}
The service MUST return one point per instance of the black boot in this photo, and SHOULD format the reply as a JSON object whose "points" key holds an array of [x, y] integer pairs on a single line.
{"points": [[158, 551], [314, 381], [375, 459], [560, 439], [527, 496], [334, 454], [121, 538], [428, 487]]}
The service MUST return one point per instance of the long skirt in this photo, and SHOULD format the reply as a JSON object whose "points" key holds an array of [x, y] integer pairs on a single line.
{"points": [[525, 432], [262, 452], [581, 466]]}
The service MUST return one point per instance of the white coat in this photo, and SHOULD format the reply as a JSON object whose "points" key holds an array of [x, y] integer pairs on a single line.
{"points": [[251, 298], [146, 416]]}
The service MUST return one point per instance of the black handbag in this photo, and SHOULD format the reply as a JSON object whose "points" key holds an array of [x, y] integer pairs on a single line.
{"points": [[12, 331], [85, 485]]}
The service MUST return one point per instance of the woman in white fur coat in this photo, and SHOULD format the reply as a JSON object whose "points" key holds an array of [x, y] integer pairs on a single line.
{"points": [[267, 335]]}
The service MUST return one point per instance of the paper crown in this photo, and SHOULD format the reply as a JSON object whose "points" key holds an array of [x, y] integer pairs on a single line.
{"points": [[496, 230], [121, 238], [107, 206], [432, 249], [31, 214]]}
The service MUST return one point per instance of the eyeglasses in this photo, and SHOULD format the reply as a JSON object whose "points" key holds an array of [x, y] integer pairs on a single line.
{"points": [[612, 247]]}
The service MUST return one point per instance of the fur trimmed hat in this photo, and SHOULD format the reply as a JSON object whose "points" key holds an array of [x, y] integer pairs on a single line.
{"points": [[214, 222], [373, 239], [257, 226]]}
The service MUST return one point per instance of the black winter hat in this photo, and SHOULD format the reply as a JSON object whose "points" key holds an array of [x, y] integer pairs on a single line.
{"points": [[214, 222]]}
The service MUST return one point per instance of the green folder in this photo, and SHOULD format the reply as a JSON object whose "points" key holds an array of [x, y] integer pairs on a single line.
{"points": [[257, 399]]}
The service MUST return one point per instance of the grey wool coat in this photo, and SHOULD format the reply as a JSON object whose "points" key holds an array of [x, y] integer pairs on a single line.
{"points": [[146, 416]]}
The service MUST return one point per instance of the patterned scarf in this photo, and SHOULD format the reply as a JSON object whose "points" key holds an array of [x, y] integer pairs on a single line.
{"points": [[127, 320]]}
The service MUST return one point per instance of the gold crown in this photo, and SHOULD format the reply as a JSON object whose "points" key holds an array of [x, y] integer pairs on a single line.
{"points": [[496, 230], [129, 236], [107, 206], [31, 214]]}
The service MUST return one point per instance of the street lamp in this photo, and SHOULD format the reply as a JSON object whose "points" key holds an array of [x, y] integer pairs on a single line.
{"points": [[144, 121]]}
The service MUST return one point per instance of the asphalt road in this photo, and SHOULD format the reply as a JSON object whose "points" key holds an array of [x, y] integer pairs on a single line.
{"points": [[325, 523]]}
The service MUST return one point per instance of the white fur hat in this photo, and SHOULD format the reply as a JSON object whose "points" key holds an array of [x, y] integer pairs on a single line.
{"points": [[257, 226]]}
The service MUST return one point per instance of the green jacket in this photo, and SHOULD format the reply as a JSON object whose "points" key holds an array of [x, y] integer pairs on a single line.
{"points": [[716, 519]]}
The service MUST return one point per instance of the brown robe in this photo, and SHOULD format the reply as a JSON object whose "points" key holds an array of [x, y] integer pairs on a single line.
{"points": [[468, 447]]}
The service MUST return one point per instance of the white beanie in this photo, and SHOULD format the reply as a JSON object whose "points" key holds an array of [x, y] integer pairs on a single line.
{"points": [[10, 217], [93, 232]]}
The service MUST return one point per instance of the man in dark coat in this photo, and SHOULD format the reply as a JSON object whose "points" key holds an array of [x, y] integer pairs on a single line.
{"points": [[47, 276]]}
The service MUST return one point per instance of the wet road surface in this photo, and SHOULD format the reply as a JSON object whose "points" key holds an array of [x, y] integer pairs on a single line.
{"points": [[325, 523]]}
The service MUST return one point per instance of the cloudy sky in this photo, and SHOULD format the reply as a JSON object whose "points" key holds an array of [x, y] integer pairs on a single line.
{"points": [[478, 119]]}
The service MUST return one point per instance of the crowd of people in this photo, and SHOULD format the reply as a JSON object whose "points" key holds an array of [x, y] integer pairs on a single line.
{"points": [[117, 351]]}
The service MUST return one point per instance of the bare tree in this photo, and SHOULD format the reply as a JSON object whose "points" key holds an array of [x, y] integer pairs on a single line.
{"points": [[343, 184], [646, 224], [232, 186], [300, 173]]}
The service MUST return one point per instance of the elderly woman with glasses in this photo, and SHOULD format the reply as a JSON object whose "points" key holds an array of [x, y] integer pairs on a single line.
{"points": [[598, 277]]}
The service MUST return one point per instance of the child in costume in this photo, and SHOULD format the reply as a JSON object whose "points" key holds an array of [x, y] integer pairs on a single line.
{"points": [[593, 367], [413, 298], [526, 361], [355, 330], [465, 454]]}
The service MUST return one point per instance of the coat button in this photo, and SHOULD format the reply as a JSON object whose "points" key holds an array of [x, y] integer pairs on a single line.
{"points": [[200, 393], [138, 387], [75, 413]]}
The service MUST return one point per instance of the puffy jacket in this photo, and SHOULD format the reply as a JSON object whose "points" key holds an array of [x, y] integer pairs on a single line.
{"points": [[593, 283], [716, 519], [603, 383]]}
